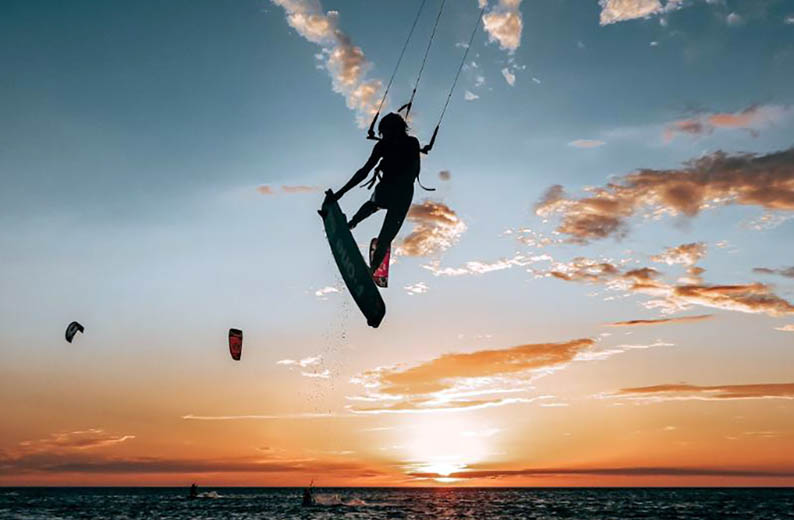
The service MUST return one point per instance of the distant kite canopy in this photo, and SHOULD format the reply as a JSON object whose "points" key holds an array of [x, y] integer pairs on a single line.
{"points": [[236, 343], [73, 329]]}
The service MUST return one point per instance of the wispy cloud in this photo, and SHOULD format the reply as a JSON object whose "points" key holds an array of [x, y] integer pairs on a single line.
{"points": [[686, 254], [460, 381], [767, 221], [270, 190], [317, 374], [58, 463], [717, 392], [416, 288], [669, 298], [509, 76], [714, 180], [786, 328], [482, 267], [263, 417], [75, 440], [436, 228], [586, 143], [323, 292], [661, 321], [752, 119], [734, 19], [345, 62], [788, 272], [303, 363]]}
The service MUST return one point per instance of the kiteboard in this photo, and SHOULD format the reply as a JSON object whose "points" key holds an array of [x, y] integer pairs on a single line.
{"points": [[351, 264], [381, 274]]}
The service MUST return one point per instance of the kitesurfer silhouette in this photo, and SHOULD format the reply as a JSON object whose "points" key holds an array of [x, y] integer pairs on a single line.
{"points": [[399, 165]]}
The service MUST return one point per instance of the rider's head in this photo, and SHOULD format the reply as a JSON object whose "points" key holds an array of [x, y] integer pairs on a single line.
{"points": [[392, 125]]}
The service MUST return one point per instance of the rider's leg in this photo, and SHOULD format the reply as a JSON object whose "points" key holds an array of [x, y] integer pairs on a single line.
{"points": [[395, 216], [366, 210]]}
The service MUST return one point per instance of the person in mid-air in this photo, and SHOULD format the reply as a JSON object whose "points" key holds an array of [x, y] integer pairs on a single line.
{"points": [[398, 154]]}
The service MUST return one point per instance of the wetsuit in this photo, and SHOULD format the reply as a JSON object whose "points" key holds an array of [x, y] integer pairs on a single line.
{"points": [[399, 164]]}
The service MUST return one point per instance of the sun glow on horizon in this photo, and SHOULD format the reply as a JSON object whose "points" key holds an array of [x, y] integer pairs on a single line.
{"points": [[446, 445]]}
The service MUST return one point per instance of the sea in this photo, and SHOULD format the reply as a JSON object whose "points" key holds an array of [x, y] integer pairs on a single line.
{"points": [[415, 503]]}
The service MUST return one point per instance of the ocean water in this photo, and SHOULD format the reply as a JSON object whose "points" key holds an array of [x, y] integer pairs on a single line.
{"points": [[387, 503]]}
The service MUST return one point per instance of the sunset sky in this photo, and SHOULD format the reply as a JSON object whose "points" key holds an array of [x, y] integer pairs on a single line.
{"points": [[599, 292]]}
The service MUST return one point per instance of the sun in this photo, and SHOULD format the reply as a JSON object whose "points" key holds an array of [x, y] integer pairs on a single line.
{"points": [[444, 445]]}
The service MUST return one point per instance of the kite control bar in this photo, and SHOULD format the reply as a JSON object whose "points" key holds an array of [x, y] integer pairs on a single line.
{"points": [[429, 146], [371, 132]]}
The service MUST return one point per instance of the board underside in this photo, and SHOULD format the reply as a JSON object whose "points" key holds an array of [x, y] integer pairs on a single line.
{"points": [[351, 264]]}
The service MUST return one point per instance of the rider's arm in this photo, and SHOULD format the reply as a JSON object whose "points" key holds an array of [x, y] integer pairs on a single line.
{"points": [[361, 174]]}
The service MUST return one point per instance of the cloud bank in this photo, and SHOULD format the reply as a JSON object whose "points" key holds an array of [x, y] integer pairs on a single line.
{"points": [[714, 180]]}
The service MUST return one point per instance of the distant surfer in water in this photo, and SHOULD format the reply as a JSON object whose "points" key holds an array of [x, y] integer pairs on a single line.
{"points": [[193, 490], [399, 165], [308, 498]]}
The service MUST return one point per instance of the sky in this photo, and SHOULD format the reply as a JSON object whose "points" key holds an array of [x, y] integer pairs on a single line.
{"points": [[599, 292]]}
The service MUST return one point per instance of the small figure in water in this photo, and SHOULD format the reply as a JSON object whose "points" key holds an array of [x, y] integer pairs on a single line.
{"points": [[398, 154], [193, 490], [308, 499]]}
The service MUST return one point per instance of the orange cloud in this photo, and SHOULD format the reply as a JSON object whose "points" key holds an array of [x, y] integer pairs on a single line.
{"points": [[788, 272], [464, 380], [685, 391], [713, 180], [752, 119], [662, 321], [686, 254], [749, 298], [436, 228], [76, 440], [752, 298], [55, 463]]}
